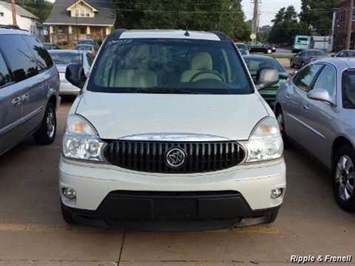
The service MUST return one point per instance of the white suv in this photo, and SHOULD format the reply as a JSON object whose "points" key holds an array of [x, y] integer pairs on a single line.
{"points": [[170, 127]]}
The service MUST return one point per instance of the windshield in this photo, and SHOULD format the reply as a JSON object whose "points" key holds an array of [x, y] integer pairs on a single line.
{"points": [[162, 65], [348, 89], [255, 63], [84, 47], [65, 58], [85, 42], [242, 46]]}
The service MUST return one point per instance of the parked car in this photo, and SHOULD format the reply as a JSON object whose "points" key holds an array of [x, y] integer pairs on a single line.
{"points": [[316, 110], [169, 127], [242, 47], [29, 87], [50, 46], [256, 63], [89, 42], [86, 47], [306, 56], [260, 47], [63, 58], [345, 53]]}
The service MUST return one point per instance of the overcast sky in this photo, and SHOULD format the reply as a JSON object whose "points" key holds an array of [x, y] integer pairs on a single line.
{"points": [[268, 9]]}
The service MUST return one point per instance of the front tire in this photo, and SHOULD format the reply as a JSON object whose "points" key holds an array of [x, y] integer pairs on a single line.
{"points": [[45, 135], [269, 51], [344, 178], [281, 121]]}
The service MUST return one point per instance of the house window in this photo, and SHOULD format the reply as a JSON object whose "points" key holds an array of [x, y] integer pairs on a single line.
{"points": [[77, 12], [82, 13], [88, 14]]}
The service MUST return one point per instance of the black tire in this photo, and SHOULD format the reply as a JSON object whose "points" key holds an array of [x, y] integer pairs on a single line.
{"points": [[292, 65], [269, 51], [281, 121], [45, 135], [343, 175], [67, 215]]}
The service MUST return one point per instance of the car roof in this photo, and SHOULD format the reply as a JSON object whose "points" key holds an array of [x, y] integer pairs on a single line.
{"points": [[165, 34], [14, 31], [258, 56], [339, 62]]}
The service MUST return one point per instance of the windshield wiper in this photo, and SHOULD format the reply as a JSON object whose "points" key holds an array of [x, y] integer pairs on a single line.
{"points": [[166, 91]]}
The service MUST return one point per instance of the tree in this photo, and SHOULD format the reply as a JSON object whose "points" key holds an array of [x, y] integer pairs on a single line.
{"points": [[223, 15], [318, 14], [285, 26], [39, 8]]}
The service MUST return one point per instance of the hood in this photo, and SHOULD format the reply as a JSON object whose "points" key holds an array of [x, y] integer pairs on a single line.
{"points": [[118, 115]]}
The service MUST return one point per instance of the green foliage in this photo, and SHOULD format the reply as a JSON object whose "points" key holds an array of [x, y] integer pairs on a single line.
{"points": [[39, 8], [318, 14], [222, 15]]}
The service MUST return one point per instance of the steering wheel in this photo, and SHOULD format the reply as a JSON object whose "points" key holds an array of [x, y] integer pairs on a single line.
{"points": [[206, 72]]}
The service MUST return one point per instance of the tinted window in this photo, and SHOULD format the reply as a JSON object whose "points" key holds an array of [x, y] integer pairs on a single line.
{"points": [[348, 89], [191, 66], [304, 78], [90, 58], [41, 53], [65, 58], [4, 71], [326, 80], [22, 61]]}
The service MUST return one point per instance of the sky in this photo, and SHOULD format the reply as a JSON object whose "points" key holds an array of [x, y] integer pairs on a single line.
{"points": [[268, 9]]}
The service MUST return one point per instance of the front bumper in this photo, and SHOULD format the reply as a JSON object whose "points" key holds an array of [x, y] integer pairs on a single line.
{"points": [[112, 193]]}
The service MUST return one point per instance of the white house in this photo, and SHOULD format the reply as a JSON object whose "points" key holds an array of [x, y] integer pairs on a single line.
{"points": [[25, 19]]}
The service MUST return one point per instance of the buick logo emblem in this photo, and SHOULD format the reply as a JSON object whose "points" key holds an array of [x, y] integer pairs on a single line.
{"points": [[175, 157]]}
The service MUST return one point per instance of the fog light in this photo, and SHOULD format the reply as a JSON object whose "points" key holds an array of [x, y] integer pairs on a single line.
{"points": [[276, 193], [69, 193]]}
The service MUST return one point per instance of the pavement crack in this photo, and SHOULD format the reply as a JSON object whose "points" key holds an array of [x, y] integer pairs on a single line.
{"points": [[121, 250]]}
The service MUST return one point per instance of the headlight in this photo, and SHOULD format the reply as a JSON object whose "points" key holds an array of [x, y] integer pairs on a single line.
{"points": [[81, 140], [265, 142]]}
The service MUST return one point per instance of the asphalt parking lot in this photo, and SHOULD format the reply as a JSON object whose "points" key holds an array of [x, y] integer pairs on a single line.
{"points": [[32, 231]]}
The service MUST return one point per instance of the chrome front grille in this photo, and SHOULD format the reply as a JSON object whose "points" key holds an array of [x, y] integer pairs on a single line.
{"points": [[151, 156]]}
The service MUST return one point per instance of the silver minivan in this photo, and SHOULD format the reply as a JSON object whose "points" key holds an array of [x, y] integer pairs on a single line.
{"points": [[29, 86]]}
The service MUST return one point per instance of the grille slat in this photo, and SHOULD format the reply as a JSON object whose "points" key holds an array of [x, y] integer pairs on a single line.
{"points": [[150, 156]]}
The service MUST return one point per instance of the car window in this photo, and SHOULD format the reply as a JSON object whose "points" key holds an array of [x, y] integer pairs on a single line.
{"points": [[65, 58], [348, 89], [255, 63], [304, 78], [196, 66], [40, 52], [326, 80], [4, 71], [22, 61], [89, 58]]}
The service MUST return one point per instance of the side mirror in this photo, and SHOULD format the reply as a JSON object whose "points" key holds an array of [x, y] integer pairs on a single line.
{"points": [[2, 80], [75, 75], [267, 77], [321, 95]]}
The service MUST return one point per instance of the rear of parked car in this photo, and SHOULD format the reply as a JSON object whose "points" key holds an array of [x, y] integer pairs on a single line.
{"points": [[170, 128], [316, 110], [29, 85]]}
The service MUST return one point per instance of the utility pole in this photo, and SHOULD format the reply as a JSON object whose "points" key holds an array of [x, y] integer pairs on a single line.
{"points": [[350, 24], [255, 19], [13, 9]]}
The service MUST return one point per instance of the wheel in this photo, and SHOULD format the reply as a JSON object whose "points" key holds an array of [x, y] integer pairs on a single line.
{"points": [[344, 178], [269, 51], [281, 121], [292, 65], [67, 215], [46, 133]]}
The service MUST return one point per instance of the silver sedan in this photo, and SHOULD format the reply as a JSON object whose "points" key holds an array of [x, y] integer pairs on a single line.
{"points": [[316, 109], [62, 58]]}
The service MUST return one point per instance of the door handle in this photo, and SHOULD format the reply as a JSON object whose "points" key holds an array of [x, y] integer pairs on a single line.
{"points": [[16, 101], [306, 107], [25, 97]]}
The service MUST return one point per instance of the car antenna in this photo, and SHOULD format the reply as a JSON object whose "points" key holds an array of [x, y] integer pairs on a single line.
{"points": [[187, 31]]}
